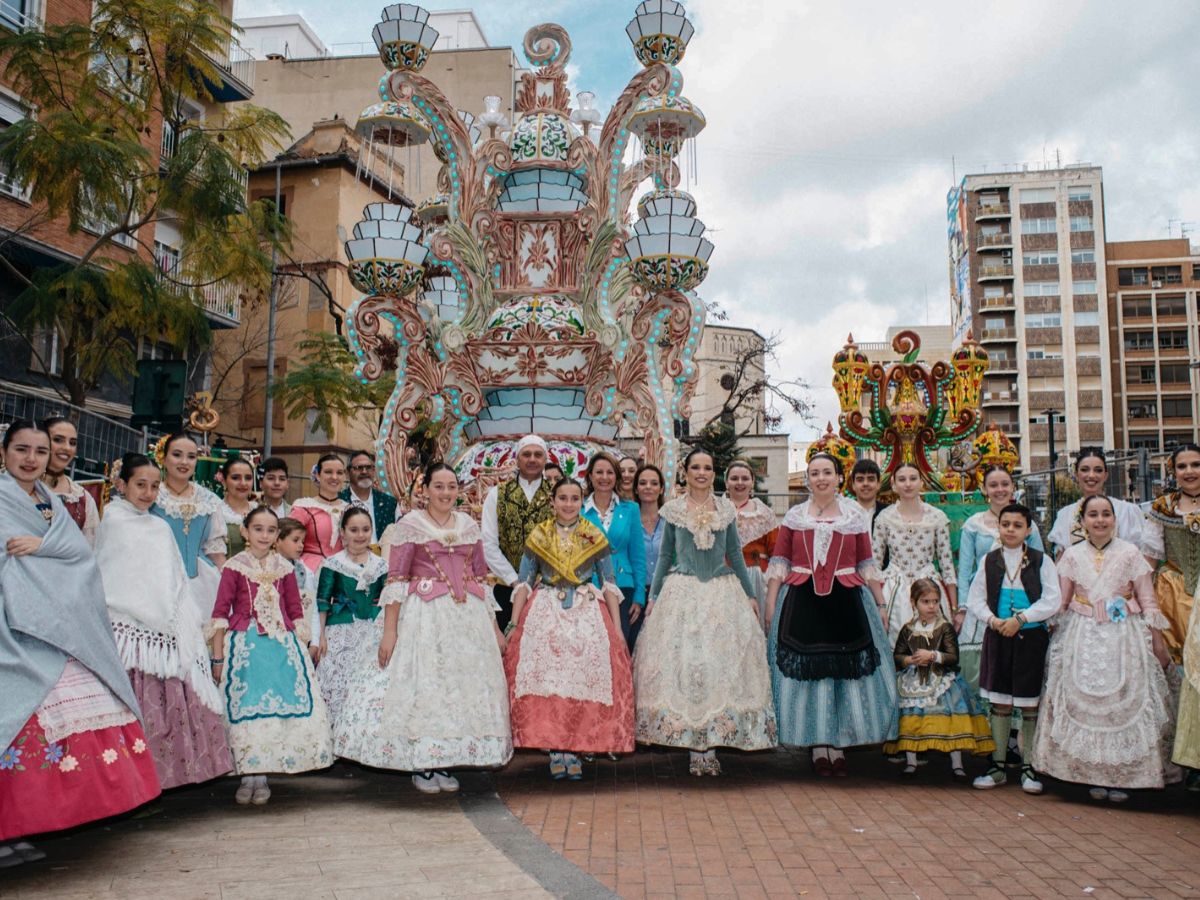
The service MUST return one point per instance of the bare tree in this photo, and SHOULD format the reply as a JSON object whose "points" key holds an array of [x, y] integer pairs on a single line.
{"points": [[747, 387]]}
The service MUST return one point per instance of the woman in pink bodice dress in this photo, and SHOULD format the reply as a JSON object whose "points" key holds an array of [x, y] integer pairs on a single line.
{"points": [[321, 514]]}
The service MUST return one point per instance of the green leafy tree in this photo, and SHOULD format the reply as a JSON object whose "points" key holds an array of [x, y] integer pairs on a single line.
{"points": [[88, 154]]}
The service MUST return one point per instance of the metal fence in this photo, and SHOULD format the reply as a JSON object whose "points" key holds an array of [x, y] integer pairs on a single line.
{"points": [[101, 439]]}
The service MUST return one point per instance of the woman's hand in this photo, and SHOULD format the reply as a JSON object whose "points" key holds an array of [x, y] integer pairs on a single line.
{"points": [[1009, 627], [635, 612], [324, 651], [501, 640], [387, 644], [883, 615], [1159, 645], [649, 608], [957, 618], [923, 658], [23, 545], [314, 653], [217, 668]]}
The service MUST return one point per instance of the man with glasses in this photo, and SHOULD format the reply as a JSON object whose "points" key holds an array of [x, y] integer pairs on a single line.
{"points": [[362, 493]]}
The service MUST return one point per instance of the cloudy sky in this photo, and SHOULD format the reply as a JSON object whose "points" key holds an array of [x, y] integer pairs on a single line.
{"points": [[835, 130]]}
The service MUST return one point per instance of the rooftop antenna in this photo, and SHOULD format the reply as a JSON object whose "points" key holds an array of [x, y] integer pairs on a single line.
{"points": [[1170, 225], [1185, 229]]}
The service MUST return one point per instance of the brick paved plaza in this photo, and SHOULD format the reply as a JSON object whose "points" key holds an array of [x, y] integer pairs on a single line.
{"points": [[641, 827]]}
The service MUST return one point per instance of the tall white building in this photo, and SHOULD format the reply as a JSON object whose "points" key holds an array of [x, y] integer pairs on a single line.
{"points": [[1027, 273]]}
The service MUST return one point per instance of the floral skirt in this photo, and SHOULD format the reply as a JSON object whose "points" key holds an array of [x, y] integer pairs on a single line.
{"points": [[949, 720], [56, 781], [1105, 717], [339, 667], [187, 739], [570, 684], [701, 669], [442, 701], [275, 719]]}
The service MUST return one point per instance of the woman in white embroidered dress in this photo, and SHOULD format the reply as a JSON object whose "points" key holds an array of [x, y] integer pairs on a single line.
{"points": [[1091, 475], [914, 538], [432, 696], [1106, 718], [700, 673], [194, 514]]}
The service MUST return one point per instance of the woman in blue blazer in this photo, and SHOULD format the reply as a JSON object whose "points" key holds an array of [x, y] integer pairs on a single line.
{"points": [[621, 522]]}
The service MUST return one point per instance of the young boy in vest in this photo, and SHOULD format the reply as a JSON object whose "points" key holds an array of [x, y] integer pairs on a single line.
{"points": [[1014, 592]]}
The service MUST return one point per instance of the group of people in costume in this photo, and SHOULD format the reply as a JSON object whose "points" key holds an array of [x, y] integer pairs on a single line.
{"points": [[182, 636]]}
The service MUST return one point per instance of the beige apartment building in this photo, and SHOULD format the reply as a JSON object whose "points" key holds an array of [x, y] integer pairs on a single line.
{"points": [[1153, 291], [1027, 271]]}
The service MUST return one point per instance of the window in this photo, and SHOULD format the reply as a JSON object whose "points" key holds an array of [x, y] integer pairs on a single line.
{"points": [[1171, 440], [1139, 340], [1083, 256], [1084, 287], [1040, 258], [1037, 195], [1177, 407], [20, 15], [155, 350], [1195, 272], [993, 290], [1171, 306], [1176, 373], [1042, 353], [990, 230], [1136, 307], [1041, 289], [11, 112], [1144, 442], [1079, 193], [1087, 317], [1133, 277], [1143, 409], [1043, 320], [1140, 374], [1037, 226], [99, 221], [1172, 340], [45, 342], [992, 322], [1081, 223]]}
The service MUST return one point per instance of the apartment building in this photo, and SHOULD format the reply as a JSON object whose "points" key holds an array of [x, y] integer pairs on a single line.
{"points": [[1153, 291], [1027, 274]]}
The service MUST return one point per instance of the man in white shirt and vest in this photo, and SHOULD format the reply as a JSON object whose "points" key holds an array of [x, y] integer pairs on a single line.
{"points": [[510, 511]]}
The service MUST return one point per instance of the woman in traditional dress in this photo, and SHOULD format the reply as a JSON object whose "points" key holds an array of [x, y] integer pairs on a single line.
{"points": [[914, 537], [431, 695], [757, 525], [194, 514], [831, 669], [74, 750], [321, 514], [1173, 539], [159, 633], [1091, 475], [701, 670], [64, 444], [237, 477], [978, 537], [290, 545], [275, 720], [1106, 719], [569, 679], [619, 521], [650, 487], [348, 589]]}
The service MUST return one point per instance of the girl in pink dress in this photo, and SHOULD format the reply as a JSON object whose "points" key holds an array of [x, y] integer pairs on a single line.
{"points": [[321, 515]]}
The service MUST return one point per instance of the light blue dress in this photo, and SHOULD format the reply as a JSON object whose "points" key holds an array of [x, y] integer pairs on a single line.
{"points": [[198, 525], [975, 542]]}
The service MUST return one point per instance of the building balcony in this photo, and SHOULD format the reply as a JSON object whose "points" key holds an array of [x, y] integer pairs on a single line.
{"points": [[1004, 302], [222, 302], [1135, 387], [1002, 365], [994, 211], [990, 273], [1011, 397], [1001, 241], [998, 334], [236, 70]]}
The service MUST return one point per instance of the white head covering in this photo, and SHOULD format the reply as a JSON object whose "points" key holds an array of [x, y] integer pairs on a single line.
{"points": [[532, 440]]}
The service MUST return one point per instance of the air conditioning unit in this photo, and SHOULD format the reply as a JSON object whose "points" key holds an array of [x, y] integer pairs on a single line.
{"points": [[1156, 284]]}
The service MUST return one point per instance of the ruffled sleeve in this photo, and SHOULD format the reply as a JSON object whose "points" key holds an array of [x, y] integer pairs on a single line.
{"points": [[214, 537], [780, 564], [1154, 543]]}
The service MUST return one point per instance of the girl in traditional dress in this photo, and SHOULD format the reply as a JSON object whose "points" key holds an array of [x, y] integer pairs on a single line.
{"points": [[570, 686], [619, 521], [159, 633], [978, 537], [1173, 537], [701, 670], [627, 468], [937, 709], [194, 514], [64, 444], [275, 719], [1106, 720], [757, 525], [650, 487], [348, 589], [1091, 475], [833, 681], [73, 750], [237, 476], [431, 696], [320, 515], [914, 537], [290, 545]]}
